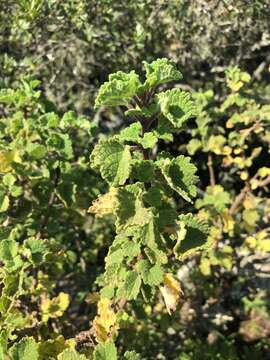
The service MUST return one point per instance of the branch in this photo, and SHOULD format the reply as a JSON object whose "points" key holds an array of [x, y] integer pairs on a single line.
{"points": [[241, 196], [45, 218], [239, 199], [211, 170]]}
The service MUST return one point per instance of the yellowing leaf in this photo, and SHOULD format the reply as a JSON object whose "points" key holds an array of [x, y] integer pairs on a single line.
{"points": [[244, 175], [228, 222], [251, 242], [104, 323], [249, 202], [52, 347], [6, 158], [104, 204], [171, 292], [264, 171], [264, 245], [226, 150], [70, 354], [250, 217], [216, 144], [53, 308], [205, 266]]}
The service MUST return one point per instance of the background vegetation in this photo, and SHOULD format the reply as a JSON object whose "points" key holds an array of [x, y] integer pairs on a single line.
{"points": [[54, 55]]}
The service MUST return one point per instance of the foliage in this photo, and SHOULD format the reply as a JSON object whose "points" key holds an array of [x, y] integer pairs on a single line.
{"points": [[56, 301], [137, 262], [44, 197], [74, 44]]}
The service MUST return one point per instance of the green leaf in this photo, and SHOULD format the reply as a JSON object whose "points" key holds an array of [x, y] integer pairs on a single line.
{"points": [[70, 354], [62, 144], [131, 133], [143, 170], [122, 249], [236, 78], [36, 151], [9, 179], [132, 285], [191, 236], [107, 292], [113, 160], [154, 196], [4, 202], [251, 216], [151, 238], [215, 144], [130, 210], [149, 140], [7, 96], [66, 192], [180, 176], [151, 275], [16, 191], [145, 111], [176, 105], [25, 349], [216, 197], [193, 146], [131, 355], [8, 250], [49, 120], [161, 71], [120, 88], [164, 129], [105, 351], [38, 249]]}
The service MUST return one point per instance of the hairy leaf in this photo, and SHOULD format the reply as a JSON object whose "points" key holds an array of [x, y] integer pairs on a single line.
{"points": [[70, 354], [105, 322], [105, 351], [180, 175], [113, 160], [25, 349], [160, 72], [191, 236], [120, 88], [176, 105]]}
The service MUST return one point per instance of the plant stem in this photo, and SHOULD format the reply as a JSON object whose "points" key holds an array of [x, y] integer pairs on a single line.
{"points": [[211, 170]]}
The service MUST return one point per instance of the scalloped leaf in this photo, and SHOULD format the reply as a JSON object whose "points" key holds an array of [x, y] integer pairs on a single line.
{"points": [[176, 105], [104, 204], [70, 354], [180, 176], [120, 88], [105, 322], [160, 72], [192, 236], [105, 351], [143, 170], [131, 286], [145, 111], [130, 210], [113, 160], [25, 349], [131, 355], [55, 307], [131, 133], [7, 158], [151, 275]]}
